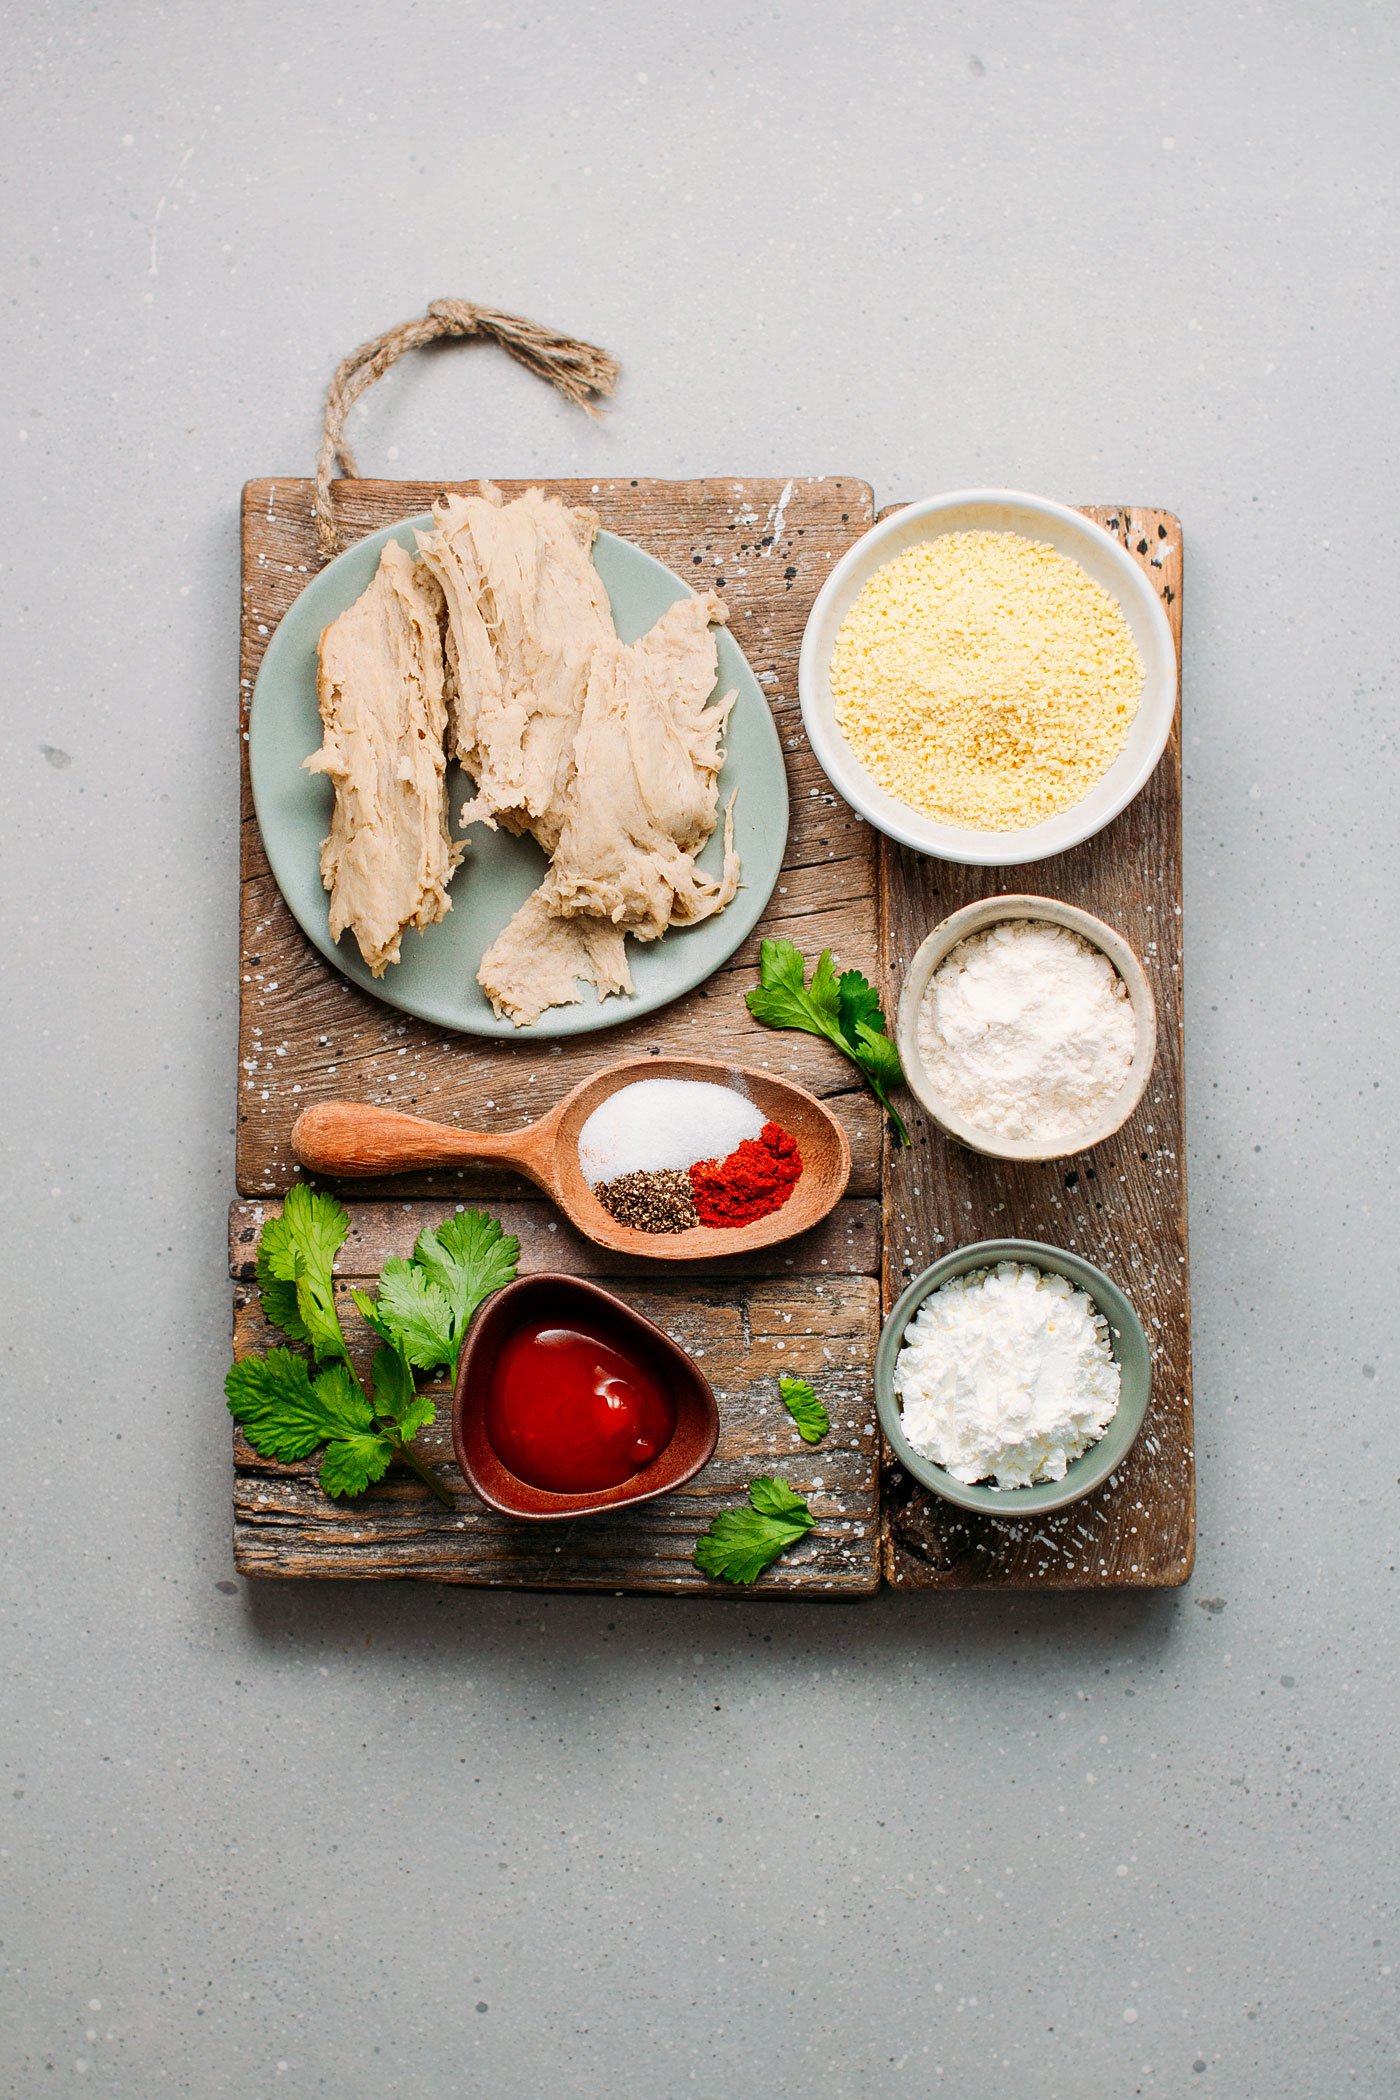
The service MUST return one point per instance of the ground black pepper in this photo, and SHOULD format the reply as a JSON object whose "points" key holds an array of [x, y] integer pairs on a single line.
{"points": [[660, 1201]]}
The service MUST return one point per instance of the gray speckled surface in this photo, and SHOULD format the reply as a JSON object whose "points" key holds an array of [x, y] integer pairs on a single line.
{"points": [[365, 1842]]}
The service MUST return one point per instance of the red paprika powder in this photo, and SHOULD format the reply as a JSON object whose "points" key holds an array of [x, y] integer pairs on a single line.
{"points": [[758, 1176]]}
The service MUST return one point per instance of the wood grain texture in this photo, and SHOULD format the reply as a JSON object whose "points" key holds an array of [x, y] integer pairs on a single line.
{"points": [[812, 1305], [1122, 1205], [809, 1306], [306, 1035], [845, 1244], [743, 1334]]}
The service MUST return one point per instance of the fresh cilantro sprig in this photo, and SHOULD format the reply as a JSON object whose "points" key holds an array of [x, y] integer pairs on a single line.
{"points": [[425, 1304], [288, 1405], [845, 1008], [296, 1261], [805, 1408], [741, 1543]]}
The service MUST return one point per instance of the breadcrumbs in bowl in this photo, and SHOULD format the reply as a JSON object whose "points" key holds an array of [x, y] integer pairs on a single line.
{"points": [[985, 679], [988, 677]]}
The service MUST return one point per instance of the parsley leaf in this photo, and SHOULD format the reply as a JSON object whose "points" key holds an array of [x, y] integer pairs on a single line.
{"points": [[845, 1009], [783, 999], [774, 1498], [467, 1258], [741, 1543], [858, 1001], [879, 1060], [805, 1408]]}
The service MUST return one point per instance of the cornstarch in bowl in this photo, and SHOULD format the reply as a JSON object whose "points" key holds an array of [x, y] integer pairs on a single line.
{"points": [[1012, 1378], [1006, 1375]]}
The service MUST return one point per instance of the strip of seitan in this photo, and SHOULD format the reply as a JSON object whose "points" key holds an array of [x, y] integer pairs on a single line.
{"points": [[641, 803], [525, 610], [606, 753], [538, 960], [389, 855], [644, 795]]}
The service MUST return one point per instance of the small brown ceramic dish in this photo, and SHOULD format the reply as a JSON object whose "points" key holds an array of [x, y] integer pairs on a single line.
{"points": [[697, 1417]]}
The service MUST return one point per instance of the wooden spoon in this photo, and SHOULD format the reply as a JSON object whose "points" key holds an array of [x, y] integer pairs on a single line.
{"points": [[351, 1139]]}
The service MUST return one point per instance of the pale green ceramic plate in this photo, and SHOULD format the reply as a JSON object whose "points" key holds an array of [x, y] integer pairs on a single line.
{"points": [[437, 977]]}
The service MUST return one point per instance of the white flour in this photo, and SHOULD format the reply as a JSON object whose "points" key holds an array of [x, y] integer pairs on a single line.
{"points": [[1006, 1374], [1027, 1032]]}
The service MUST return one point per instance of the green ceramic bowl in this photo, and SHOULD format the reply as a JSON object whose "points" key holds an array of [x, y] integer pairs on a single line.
{"points": [[1101, 1459]]}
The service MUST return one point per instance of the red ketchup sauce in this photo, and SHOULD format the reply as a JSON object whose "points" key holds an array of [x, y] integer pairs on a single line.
{"points": [[568, 1411]]}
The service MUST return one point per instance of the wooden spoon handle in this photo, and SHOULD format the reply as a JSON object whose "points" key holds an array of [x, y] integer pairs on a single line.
{"points": [[356, 1139]]}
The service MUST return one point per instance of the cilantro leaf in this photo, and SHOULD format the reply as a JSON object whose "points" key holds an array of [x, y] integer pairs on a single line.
{"points": [[273, 1400], [774, 1498], [395, 1396], [284, 1413], [420, 1412], [805, 1408], [413, 1313], [420, 1316], [858, 1001], [845, 1009], [353, 1462], [783, 1000], [299, 1249], [279, 1298], [342, 1396], [467, 1258], [369, 1313], [741, 1543]]}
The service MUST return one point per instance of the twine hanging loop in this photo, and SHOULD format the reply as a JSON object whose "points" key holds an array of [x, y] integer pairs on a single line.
{"points": [[578, 370]]}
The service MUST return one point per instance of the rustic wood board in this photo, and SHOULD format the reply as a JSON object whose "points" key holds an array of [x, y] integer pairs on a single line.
{"points": [[1122, 1205], [816, 1321], [306, 1035], [813, 1306], [810, 1307]]}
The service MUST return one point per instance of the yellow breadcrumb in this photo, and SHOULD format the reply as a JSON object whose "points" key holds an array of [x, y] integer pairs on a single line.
{"points": [[985, 680]]}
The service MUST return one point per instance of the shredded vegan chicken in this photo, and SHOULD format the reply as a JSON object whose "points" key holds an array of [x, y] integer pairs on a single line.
{"points": [[389, 855], [606, 752], [499, 641]]}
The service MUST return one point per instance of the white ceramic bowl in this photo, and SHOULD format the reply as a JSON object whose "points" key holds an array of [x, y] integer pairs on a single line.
{"points": [[992, 510], [976, 918]]}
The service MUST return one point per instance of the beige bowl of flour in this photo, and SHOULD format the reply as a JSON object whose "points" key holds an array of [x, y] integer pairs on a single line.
{"points": [[979, 918]]}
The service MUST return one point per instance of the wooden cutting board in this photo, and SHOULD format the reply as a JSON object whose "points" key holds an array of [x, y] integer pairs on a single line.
{"points": [[812, 1307], [1122, 1206]]}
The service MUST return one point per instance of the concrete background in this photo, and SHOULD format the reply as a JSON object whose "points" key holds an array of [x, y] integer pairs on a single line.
{"points": [[290, 1841]]}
